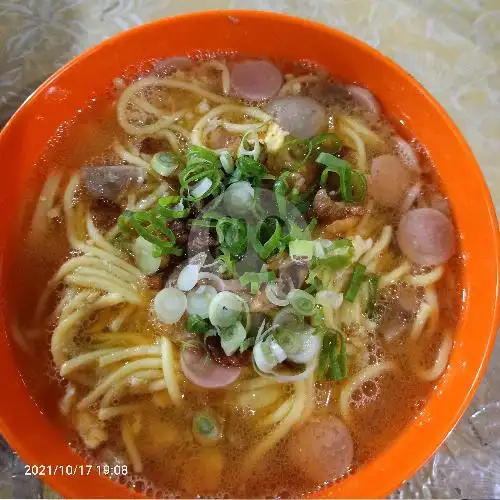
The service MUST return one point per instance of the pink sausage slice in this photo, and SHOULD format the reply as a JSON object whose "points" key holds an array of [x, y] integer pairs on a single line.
{"points": [[322, 451], [204, 372], [173, 64], [389, 181], [256, 80], [302, 116], [365, 99], [426, 236]]}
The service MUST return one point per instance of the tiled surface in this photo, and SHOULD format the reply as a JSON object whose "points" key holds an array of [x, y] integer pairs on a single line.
{"points": [[451, 46]]}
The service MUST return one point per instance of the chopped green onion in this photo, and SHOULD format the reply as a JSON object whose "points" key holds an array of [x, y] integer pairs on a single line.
{"points": [[338, 254], [164, 163], [349, 178], [302, 248], [206, 429], [202, 175], [247, 343], [300, 345], [283, 193], [225, 309], [197, 324], [232, 337], [232, 235], [143, 253], [342, 358], [248, 169], [245, 150], [373, 280], [267, 354], [172, 207], [301, 150], [297, 233], [335, 371], [266, 237], [255, 280], [151, 225], [357, 278], [226, 160], [303, 302]]}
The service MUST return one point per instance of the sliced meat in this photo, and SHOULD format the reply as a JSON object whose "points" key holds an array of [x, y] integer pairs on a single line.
{"points": [[365, 99], [200, 240], [109, 182], [302, 116], [181, 231], [234, 286], [325, 208], [219, 356], [256, 80], [260, 303], [154, 281], [322, 450], [205, 372], [104, 213], [293, 271], [426, 236], [389, 181]]}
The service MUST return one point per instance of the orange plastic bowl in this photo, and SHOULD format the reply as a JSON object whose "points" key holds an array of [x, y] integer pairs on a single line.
{"points": [[252, 33]]}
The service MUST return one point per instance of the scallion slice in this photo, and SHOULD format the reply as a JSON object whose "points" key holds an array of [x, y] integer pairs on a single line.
{"points": [[165, 163], [373, 280], [303, 302], [232, 337], [225, 309], [357, 278]]}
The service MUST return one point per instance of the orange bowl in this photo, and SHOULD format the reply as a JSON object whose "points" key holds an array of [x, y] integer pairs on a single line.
{"points": [[35, 436]]}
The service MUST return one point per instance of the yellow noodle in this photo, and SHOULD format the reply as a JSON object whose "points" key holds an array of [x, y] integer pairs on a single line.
{"points": [[196, 134], [130, 352], [279, 414], [254, 383], [45, 203], [241, 128], [118, 411], [225, 77], [167, 362], [69, 195], [116, 376], [256, 400], [440, 364], [395, 275], [79, 300], [129, 442], [98, 239], [124, 314], [128, 156], [150, 200], [423, 314], [426, 279], [277, 434], [370, 257], [171, 138], [363, 376], [114, 392], [82, 360], [64, 330], [359, 146]]}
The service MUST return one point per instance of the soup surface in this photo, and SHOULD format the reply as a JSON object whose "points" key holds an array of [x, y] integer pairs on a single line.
{"points": [[239, 279]]}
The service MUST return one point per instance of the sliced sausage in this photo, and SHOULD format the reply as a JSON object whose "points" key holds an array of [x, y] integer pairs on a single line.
{"points": [[256, 80], [108, 182], [426, 236], [389, 181], [302, 116], [322, 450], [365, 99], [205, 372]]}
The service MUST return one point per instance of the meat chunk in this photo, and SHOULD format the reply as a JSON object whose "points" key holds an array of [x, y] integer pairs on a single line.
{"points": [[104, 213], [325, 208], [260, 303], [322, 450], [151, 146], [214, 348], [326, 93], [181, 231], [200, 240], [222, 139], [293, 272], [92, 430], [110, 181]]}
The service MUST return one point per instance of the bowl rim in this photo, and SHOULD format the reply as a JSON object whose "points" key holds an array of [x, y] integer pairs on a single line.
{"points": [[68, 488]]}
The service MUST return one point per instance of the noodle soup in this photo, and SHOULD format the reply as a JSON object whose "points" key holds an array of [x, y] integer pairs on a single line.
{"points": [[249, 282]]}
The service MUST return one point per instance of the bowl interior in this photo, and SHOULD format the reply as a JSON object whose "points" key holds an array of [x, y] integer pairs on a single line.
{"points": [[35, 436]]}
